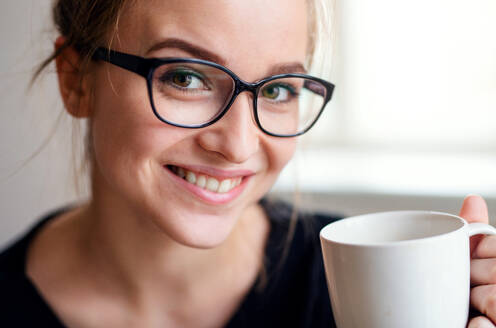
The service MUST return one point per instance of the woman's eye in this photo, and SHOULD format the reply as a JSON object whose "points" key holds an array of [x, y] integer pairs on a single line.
{"points": [[278, 92], [184, 80]]}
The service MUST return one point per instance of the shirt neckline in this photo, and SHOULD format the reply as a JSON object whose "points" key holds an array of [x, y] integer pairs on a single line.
{"points": [[275, 233]]}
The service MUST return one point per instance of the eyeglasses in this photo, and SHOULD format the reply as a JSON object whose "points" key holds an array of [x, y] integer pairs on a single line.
{"points": [[195, 93]]}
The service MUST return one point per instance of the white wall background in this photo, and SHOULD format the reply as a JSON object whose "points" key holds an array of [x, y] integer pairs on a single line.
{"points": [[30, 186], [411, 124]]}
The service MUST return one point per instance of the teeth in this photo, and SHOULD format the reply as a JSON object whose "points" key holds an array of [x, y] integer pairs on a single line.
{"points": [[225, 186], [207, 182], [212, 184], [191, 177], [202, 181]]}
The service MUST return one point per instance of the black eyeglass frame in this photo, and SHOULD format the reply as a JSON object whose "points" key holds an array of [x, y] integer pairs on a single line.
{"points": [[147, 66]]}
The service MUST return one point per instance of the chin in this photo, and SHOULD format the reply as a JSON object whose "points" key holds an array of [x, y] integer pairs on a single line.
{"points": [[202, 231]]}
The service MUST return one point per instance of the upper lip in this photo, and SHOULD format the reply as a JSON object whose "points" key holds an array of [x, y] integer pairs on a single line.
{"points": [[215, 172]]}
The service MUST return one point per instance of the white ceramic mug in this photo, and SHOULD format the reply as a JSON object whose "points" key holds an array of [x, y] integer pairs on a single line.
{"points": [[403, 269]]}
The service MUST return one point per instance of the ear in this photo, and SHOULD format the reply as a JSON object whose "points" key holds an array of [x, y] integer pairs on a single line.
{"points": [[74, 86]]}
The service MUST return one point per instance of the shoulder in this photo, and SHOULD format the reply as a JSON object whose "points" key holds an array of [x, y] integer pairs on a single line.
{"points": [[17, 297], [20, 303], [302, 224], [12, 264], [13, 255], [295, 270], [280, 210], [295, 231]]}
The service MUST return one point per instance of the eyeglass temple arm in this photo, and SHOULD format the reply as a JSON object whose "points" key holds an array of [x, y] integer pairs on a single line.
{"points": [[132, 63]]}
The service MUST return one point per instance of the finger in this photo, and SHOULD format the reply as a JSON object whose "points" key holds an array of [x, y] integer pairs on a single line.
{"points": [[480, 322], [483, 299], [486, 248], [482, 272], [474, 209]]}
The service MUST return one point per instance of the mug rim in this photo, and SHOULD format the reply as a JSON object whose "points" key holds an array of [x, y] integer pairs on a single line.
{"points": [[393, 243]]}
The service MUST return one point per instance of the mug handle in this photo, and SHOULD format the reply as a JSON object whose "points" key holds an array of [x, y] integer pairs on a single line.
{"points": [[480, 228]]}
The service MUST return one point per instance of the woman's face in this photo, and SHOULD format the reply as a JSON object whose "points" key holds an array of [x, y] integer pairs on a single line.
{"points": [[134, 151]]}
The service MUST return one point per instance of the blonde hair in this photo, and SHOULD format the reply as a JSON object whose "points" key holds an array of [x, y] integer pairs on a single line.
{"points": [[321, 37]]}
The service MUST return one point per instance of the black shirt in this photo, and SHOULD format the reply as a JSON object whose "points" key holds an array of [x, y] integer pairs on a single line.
{"points": [[291, 293]]}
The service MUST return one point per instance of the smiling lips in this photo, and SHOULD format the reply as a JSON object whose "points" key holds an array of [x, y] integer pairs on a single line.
{"points": [[205, 181]]}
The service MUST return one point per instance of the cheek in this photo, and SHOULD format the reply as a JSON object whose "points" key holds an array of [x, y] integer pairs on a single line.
{"points": [[286, 150], [126, 135], [280, 153], [119, 127]]}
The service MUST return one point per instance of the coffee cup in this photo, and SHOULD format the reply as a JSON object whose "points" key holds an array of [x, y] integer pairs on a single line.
{"points": [[402, 269]]}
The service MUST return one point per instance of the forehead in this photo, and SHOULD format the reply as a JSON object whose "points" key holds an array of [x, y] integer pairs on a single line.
{"points": [[245, 33]]}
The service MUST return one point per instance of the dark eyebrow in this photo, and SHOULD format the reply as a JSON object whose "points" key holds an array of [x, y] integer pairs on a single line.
{"points": [[287, 68], [196, 51], [202, 53]]}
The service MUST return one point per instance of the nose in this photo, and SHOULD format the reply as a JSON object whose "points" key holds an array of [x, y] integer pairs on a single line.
{"points": [[235, 136]]}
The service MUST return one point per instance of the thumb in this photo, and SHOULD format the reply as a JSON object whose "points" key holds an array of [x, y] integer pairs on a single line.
{"points": [[474, 209]]}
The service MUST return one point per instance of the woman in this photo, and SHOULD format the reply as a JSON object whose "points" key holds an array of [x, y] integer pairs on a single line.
{"points": [[182, 151]]}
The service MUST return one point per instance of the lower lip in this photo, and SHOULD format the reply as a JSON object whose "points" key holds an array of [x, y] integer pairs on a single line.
{"points": [[208, 196]]}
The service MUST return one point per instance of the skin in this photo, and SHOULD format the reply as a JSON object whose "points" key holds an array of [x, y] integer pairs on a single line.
{"points": [[144, 252]]}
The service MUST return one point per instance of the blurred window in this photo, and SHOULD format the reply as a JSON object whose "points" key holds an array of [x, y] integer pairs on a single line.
{"points": [[415, 101]]}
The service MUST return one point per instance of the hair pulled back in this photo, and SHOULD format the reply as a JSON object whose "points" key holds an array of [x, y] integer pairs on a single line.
{"points": [[85, 25], [89, 24]]}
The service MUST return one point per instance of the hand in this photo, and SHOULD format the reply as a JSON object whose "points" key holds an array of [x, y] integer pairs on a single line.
{"points": [[482, 266]]}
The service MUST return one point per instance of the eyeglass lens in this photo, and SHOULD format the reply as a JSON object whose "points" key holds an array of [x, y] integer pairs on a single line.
{"points": [[194, 94], [289, 105]]}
